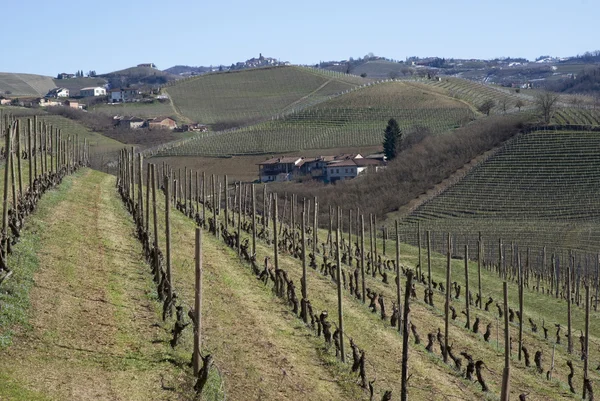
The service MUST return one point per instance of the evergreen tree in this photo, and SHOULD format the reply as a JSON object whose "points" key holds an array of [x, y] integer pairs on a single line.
{"points": [[392, 139]]}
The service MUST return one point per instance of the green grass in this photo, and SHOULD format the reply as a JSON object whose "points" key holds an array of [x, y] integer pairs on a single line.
{"points": [[251, 95], [357, 118], [25, 84], [13, 391], [14, 294]]}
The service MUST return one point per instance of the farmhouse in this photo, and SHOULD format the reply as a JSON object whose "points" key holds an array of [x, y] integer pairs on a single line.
{"points": [[162, 122], [280, 168], [5, 101], [92, 91], [131, 122], [72, 104], [149, 65], [123, 95], [350, 168], [57, 92], [325, 168]]}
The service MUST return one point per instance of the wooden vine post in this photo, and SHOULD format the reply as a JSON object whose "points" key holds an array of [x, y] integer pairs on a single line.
{"points": [[227, 206], [303, 283], [505, 392], [339, 284], [29, 153], [362, 256], [398, 275], [196, 357], [447, 305], [239, 223], [275, 245], [569, 340], [420, 272], [405, 337], [168, 243], [315, 244], [140, 190], [467, 286], [429, 261], [203, 199], [254, 220], [586, 349], [521, 280], [5, 238], [479, 264], [155, 223], [148, 176], [19, 156]]}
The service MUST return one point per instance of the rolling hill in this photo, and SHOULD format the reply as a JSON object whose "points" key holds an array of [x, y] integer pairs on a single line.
{"points": [[247, 96], [15, 85], [74, 85], [540, 189], [356, 118]]}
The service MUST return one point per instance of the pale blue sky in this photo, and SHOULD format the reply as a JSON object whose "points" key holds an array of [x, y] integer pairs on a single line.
{"points": [[48, 37]]}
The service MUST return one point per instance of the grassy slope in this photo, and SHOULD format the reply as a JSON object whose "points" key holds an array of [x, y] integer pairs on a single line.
{"points": [[251, 95], [90, 326], [25, 84], [353, 119]]}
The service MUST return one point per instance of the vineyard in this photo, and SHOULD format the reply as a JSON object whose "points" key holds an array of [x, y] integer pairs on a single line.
{"points": [[25, 84], [353, 119], [253, 95], [539, 190]]}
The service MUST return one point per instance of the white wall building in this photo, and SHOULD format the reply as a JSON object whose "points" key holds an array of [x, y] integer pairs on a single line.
{"points": [[93, 91]]}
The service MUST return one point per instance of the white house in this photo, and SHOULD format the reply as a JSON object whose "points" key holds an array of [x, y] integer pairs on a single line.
{"points": [[123, 95], [92, 91], [57, 92], [350, 168]]}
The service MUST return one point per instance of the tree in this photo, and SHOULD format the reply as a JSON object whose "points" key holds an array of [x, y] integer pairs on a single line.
{"points": [[546, 103], [486, 107], [392, 139], [504, 105], [519, 104]]}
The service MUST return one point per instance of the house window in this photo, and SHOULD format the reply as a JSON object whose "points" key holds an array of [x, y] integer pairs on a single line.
{"points": [[337, 170], [346, 171]]}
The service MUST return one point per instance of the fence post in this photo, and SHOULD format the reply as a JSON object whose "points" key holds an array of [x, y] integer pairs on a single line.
{"points": [[447, 305], [339, 285], [362, 255], [198, 304], [505, 392], [587, 340], [467, 285], [405, 338], [303, 283], [168, 244], [7, 146], [398, 274]]}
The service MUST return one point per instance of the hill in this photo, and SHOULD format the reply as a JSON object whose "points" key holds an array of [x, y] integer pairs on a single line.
{"points": [[15, 85], [382, 69], [138, 76], [241, 97], [540, 189], [356, 118]]}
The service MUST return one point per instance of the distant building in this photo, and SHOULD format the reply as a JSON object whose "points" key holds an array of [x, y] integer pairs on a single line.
{"points": [[162, 122], [131, 122], [123, 95], [5, 101], [57, 92], [64, 75], [43, 102], [324, 168], [73, 104], [92, 91], [149, 65], [193, 127]]}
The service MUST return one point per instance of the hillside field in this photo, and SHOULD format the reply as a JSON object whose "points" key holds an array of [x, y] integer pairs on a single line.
{"points": [[540, 189], [15, 85], [354, 119], [242, 97]]}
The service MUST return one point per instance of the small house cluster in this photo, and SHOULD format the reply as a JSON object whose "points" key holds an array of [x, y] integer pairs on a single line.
{"points": [[324, 168], [136, 122]]}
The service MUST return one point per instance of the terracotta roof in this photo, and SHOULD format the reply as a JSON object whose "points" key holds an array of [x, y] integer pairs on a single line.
{"points": [[362, 162]]}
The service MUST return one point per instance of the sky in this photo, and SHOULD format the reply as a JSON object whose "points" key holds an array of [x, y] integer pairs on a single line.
{"points": [[43, 37]]}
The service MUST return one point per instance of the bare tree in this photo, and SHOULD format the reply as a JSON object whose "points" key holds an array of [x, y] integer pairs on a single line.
{"points": [[504, 104], [486, 107], [546, 103], [519, 104]]}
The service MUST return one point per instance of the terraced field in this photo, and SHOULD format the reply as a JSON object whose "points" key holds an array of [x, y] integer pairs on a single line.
{"points": [[577, 116], [353, 119], [25, 84], [540, 189], [252, 95]]}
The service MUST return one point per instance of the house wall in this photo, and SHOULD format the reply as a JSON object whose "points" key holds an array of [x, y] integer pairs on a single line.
{"points": [[341, 173]]}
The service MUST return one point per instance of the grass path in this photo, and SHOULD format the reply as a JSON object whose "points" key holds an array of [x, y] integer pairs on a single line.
{"points": [[91, 334]]}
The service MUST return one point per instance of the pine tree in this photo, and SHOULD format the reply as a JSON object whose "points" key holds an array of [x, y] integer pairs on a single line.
{"points": [[392, 139]]}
